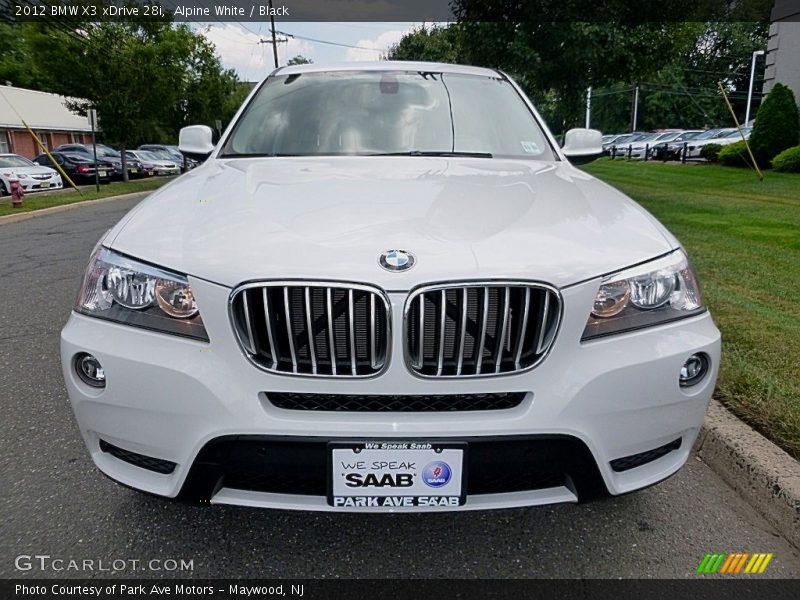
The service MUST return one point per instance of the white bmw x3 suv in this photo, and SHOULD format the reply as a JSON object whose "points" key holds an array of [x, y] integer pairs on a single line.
{"points": [[388, 289]]}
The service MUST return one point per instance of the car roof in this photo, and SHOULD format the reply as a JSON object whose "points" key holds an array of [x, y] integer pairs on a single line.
{"points": [[387, 65]]}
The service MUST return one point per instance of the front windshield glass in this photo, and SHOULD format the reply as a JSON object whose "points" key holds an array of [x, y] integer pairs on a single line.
{"points": [[106, 151], [381, 112], [9, 162], [707, 135]]}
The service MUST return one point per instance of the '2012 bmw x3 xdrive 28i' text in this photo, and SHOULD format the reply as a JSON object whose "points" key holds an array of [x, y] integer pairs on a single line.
{"points": [[388, 289]]}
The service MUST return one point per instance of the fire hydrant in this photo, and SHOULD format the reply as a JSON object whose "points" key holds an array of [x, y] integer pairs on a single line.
{"points": [[17, 193]]}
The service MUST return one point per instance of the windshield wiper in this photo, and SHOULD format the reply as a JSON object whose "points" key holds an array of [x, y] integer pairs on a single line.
{"points": [[433, 153]]}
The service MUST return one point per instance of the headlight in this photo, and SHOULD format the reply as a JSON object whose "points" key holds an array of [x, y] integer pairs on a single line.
{"points": [[121, 289], [21, 175], [660, 291]]}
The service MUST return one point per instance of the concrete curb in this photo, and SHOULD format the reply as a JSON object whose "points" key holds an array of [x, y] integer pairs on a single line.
{"points": [[763, 474], [33, 214]]}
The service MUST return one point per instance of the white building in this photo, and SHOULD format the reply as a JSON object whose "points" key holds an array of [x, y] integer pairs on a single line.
{"points": [[45, 113]]}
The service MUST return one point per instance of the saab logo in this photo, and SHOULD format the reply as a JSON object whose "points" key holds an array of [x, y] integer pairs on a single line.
{"points": [[398, 480], [734, 563], [436, 474]]}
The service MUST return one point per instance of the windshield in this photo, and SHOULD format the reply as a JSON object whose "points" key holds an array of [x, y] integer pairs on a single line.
{"points": [[707, 135], [689, 135], [668, 137], [106, 151], [380, 112], [75, 157], [7, 162]]}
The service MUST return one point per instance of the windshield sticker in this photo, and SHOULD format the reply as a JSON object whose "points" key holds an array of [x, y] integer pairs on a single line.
{"points": [[530, 147]]}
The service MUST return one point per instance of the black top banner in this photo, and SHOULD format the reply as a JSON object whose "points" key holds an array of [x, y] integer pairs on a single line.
{"points": [[408, 589], [627, 11]]}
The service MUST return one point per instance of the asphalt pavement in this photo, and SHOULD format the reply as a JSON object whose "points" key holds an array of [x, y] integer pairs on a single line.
{"points": [[55, 503]]}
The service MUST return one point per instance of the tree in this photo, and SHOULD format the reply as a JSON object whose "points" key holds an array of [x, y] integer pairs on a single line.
{"points": [[434, 44], [16, 65], [776, 127], [299, 59], [132, 73], [145, 78]]}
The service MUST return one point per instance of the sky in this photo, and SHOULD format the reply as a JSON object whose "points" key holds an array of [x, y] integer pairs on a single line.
{"points": [[238, 44]]}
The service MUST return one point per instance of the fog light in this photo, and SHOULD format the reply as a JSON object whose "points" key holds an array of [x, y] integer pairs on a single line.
{"points": [[89, 370], [693, 370]]}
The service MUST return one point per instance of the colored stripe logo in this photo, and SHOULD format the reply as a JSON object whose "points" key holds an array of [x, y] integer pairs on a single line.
{"points": [[734, 563]]}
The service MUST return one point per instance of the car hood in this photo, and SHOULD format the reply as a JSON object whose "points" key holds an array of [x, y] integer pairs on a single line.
{"points": [[235, 220], [27, 170]]}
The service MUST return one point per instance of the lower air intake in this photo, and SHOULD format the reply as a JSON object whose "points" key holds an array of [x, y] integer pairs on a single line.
{"points": [[157, 465], [395, 403]]}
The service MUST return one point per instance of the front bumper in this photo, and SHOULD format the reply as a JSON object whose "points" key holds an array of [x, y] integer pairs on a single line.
{"points": [[170, 398], [38, 185]]}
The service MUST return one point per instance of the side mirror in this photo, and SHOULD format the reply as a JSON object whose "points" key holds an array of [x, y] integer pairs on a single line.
{"points": [[196, 141], [583, 145]]}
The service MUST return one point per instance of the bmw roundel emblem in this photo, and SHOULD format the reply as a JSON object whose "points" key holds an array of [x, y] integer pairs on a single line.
{"points": [[397, 260], [436, 474]]}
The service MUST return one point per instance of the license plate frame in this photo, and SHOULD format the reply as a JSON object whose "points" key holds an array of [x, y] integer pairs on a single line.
{"points": [[452, 453]]}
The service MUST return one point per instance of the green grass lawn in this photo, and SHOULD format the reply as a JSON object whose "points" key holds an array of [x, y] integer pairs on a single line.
{"points": [[744, 238], [39, 200]]}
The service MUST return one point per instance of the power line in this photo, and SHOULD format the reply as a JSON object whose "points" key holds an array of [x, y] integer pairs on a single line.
{"points": [[318, 41]]}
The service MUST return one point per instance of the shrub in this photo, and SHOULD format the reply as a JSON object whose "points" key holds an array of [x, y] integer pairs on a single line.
{"points": [[734, 155], [777, 125], [787, 161], [710, 152]]}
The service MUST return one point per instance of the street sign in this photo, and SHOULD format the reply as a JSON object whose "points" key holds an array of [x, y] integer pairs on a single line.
{"points": [[92, 116]]}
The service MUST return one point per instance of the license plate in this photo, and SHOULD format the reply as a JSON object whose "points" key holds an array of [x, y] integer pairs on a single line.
{"points": [[44, 185], [102, 173], [396, 475], [134, 170]]}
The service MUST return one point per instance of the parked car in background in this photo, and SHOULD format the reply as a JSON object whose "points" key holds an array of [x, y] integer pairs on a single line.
{"points": [[154, 163], [79, 167], [610, 138], [621, 142], [171, 153], [730, 137], [32, 177], [696, 144], [646, 144], [672, 150], [106, 156]]}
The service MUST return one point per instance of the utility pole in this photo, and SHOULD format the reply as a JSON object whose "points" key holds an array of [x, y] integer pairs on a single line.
{"points": [[92, 114], [588, 107], [274, 41], [635, 107], [756, 54]]}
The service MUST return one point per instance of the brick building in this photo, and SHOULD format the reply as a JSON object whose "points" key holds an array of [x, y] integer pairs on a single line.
{"points": [[45, 114]]}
